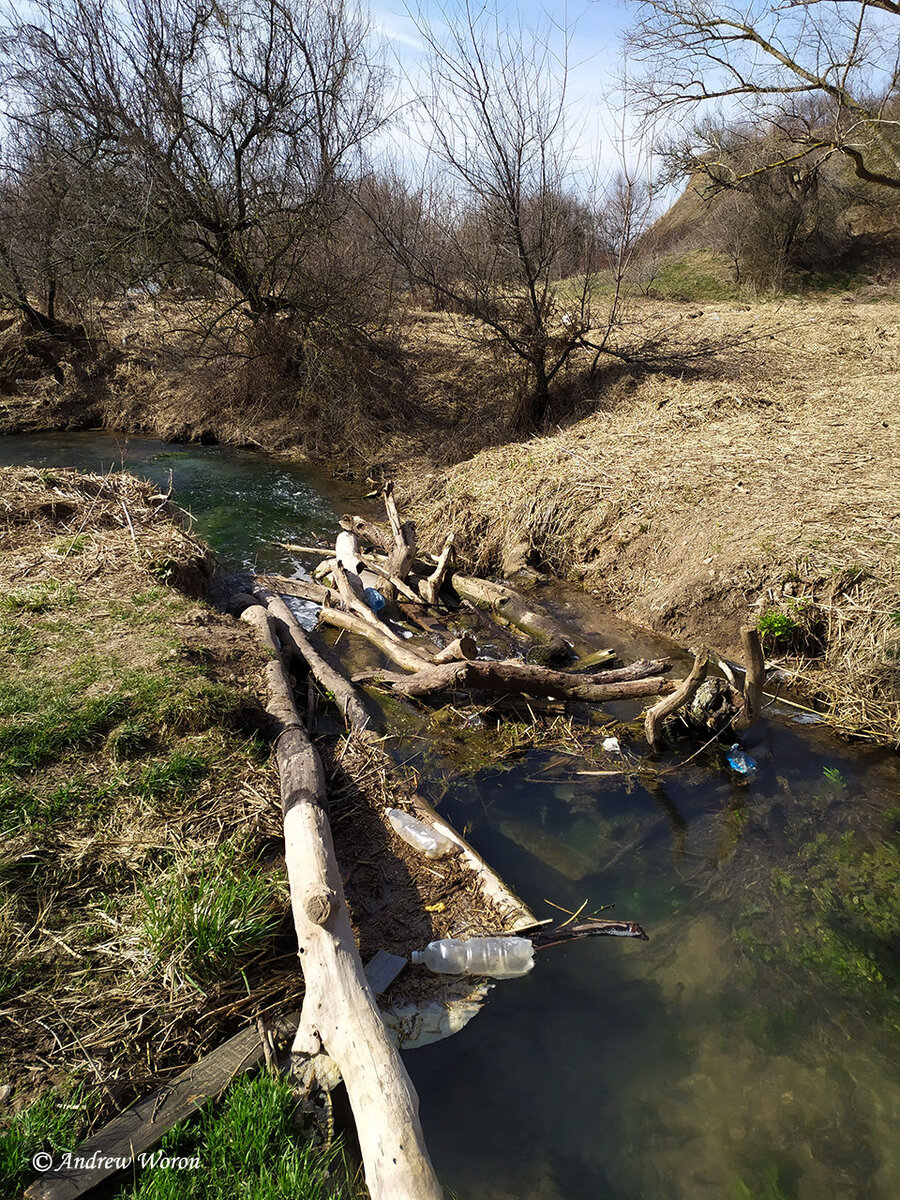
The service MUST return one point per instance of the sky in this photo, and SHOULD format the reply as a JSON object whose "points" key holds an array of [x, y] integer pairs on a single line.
{"points": [[595, 62]]}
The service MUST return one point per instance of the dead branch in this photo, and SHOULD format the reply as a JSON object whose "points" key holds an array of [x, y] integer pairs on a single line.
{"points": [[510, 677], [682, 695], [292, 634], [641, 669], [435, 581]]}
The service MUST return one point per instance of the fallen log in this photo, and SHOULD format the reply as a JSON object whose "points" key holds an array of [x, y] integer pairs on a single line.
{"points": [[339, 1011], [291, 633], [463, 647], [511, 607], [397, 651], [350, 590], [682, 695], [641, 669], [303, 589], [509, 677], [367, 532]]}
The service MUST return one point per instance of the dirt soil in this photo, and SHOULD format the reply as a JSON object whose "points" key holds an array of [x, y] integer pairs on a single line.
{"points": [[762, 478]]}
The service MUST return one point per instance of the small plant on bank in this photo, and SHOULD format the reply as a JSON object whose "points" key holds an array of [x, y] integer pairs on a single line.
{"points": [[777, 628]]}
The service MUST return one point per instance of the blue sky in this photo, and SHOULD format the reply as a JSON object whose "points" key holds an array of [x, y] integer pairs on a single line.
{"points": [[595, 58]]}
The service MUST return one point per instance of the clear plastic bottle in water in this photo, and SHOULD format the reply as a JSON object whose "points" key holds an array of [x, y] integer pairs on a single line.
{"points": [[422, 837], [741, 762], [499, 957]]}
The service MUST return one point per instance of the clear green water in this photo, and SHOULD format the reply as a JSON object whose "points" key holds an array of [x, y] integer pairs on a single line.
{"points": [[241, 501], [749, 1050]]}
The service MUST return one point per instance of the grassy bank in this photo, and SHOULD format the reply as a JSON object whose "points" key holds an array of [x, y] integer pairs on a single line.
{"points": [[142, 892]]}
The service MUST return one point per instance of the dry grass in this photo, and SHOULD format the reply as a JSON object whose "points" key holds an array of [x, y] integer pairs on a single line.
{"points": [[128, 766], [691, 501]]}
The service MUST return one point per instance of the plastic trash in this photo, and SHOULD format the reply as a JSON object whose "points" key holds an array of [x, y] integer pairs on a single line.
{"points": [[374, 599], [612, 745], [741, 762], [499, 957], [421, 837]]}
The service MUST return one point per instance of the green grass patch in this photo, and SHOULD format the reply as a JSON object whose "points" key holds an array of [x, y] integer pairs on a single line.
{"points": [[208, 912], [67, 546], [47, 596], [54, 1122], [174, 778], [694, 276], [246, 1146], [32, 741]]}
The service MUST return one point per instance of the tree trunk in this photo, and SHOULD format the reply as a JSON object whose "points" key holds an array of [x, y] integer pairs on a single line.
{"points": [[754, 679], [512, 607]]}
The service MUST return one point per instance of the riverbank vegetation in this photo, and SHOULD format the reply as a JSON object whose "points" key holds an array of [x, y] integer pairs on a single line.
{"points": [[142, 901]]}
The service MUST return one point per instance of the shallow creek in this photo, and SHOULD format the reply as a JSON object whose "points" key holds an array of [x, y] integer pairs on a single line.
{"points": [[748, 1051]]}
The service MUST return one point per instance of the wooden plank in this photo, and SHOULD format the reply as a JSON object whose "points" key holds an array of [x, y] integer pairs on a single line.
{"points": [[382, 969], [133, 1132]]}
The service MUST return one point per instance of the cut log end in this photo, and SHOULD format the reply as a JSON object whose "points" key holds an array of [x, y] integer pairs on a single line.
{"points": [[320, 905]]}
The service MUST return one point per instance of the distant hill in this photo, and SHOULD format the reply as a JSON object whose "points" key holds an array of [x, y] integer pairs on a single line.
{"points": [[782, 228]]}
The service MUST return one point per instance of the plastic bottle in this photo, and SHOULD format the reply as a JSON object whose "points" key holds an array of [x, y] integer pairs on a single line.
{"points": [[740, 762], [499, 957], [421, 837]]}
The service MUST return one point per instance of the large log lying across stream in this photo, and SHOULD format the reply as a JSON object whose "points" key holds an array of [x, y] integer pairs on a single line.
{"points": [[506, 677], [339, 1011]]}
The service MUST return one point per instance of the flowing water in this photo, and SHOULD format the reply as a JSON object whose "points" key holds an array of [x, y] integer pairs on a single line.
{"points": [[749, 1050]]}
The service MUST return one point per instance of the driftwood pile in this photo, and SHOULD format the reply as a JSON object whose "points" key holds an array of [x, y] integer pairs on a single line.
{"points": [[339, 1031], [425, 593], [340, 1024]]}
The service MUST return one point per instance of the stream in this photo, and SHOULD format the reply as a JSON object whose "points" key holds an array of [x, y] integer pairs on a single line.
{"points": [[749, 1050]]}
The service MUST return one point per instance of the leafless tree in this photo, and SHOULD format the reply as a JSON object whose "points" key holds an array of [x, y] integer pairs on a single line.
{"points": [[773, 59], [769, 216], [234, 123], [498, 222]]}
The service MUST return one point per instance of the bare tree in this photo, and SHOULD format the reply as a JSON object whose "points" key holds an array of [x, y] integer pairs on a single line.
{"points": [[774, 59], [236, 124], [498, 223]]}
